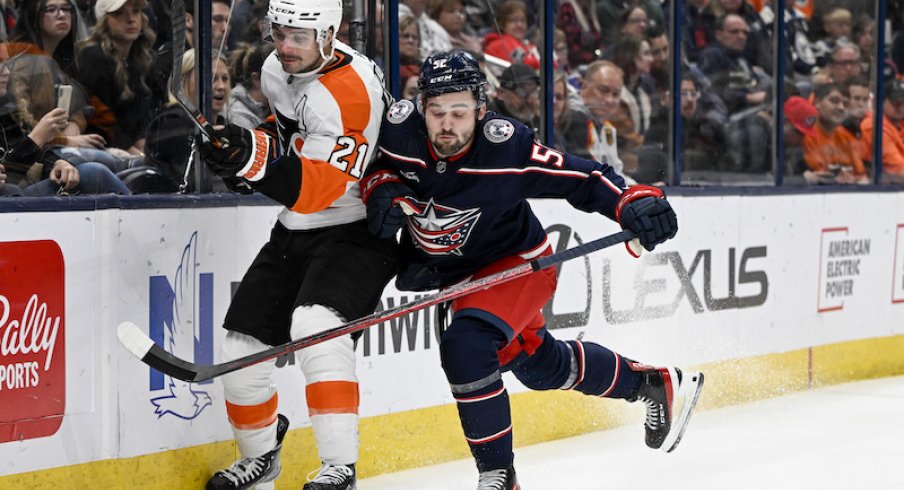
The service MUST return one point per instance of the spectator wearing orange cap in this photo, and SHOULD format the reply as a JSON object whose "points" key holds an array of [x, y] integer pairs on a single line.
{"points": [[892, 131], [831, 154]]}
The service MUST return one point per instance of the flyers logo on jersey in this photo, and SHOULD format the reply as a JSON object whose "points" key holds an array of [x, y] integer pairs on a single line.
{"points": [[441, 230]]}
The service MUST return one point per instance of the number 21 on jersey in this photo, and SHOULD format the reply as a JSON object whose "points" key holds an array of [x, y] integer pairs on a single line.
{"points": [[345, 147]]}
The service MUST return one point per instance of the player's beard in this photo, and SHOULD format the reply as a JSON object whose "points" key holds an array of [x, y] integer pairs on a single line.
{"points": [[447, 149]]}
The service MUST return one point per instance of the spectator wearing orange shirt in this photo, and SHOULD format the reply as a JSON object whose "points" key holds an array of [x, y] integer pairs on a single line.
{"points": [[831, 154], [892, 131]]}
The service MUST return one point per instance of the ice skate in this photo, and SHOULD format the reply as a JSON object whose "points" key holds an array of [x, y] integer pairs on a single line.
{"points": [[257, 473], [502, 479], [333, 477], [670, 397]]}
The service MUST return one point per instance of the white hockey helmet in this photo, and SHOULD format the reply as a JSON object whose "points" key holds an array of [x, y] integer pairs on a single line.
{"points": [[319, 15]]}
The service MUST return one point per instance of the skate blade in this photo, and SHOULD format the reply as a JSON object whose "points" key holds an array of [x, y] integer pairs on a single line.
{"points": [[692, 386]]}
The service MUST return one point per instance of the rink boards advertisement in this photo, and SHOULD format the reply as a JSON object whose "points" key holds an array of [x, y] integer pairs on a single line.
{"points": [[746, 276]]}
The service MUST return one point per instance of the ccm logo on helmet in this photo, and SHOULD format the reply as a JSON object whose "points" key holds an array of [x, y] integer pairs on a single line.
{"points": [[440, 79]]}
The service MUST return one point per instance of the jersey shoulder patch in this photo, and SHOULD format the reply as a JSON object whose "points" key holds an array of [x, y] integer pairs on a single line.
{"points": [[498, 130], [400, 111]]}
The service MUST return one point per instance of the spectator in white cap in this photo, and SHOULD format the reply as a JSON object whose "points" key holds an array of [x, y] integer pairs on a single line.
{"points": [[114, 65]]}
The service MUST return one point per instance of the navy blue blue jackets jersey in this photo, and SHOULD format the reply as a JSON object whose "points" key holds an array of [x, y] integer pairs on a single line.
{"points": [[472, 208]]}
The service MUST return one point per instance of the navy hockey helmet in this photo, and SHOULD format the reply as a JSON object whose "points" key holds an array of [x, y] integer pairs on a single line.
{"points": [[448, 72]]}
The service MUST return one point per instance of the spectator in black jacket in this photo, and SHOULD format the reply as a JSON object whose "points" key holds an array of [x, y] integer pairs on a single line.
{"points": [[740, 84], [114, 67]]}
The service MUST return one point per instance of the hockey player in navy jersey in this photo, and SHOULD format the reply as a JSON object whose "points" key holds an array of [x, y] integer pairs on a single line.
{"points": [[463, 175]]}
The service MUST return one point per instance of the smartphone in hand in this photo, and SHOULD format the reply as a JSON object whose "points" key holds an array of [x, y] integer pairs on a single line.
{"points": [[64, 96]]}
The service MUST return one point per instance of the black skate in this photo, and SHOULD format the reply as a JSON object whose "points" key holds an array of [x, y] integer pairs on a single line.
{"points": [[333, 477], [670, 397], [252, 472], [503, 479]]}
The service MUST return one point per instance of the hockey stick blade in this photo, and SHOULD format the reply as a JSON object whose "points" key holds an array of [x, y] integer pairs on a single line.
{"points": [[142, 347], [177, 17]]}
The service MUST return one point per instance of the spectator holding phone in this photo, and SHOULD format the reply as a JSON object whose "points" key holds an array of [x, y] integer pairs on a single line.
{"points": [[34, 168]]}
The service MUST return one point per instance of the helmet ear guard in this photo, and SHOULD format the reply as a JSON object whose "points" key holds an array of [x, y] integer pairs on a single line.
{"points": [[449, 72]]}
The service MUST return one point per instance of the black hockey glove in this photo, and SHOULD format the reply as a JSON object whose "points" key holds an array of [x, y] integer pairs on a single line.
{"points": [[644, 210], [386, 197], [241, 153]]}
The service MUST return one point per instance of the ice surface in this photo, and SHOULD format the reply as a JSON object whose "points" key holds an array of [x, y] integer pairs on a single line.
{"points": [[848, 436]]}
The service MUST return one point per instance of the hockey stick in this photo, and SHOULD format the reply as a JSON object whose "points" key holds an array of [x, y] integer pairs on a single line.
{"points": [[177, 17], [142, 347]]}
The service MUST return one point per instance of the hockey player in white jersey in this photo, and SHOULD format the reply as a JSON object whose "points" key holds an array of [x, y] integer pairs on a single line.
{"points": [[321, 266]]}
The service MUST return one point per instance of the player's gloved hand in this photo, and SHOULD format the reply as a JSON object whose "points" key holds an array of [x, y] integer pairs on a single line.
{"points": [[385, 196], [236, 184], [644, 210], [241, 152]]}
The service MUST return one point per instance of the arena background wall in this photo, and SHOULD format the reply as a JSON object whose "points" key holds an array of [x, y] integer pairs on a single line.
{"points": [[767, 294]]}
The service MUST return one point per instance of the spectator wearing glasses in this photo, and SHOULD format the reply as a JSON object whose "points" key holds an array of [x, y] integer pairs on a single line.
{"points": [[50, 27], [510, 43], [518, 95], [844, 63], [892, 133], [831, 153], [45, 34]]}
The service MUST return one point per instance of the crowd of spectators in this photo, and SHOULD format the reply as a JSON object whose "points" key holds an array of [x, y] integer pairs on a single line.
{"points": [[122, 133], [612, 83]]}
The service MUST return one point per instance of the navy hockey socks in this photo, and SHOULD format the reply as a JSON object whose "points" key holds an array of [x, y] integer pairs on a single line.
{"points": [[468, 352]]}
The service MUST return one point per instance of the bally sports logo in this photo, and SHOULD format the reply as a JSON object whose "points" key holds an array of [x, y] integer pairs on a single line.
{"points": [[32, 340]]}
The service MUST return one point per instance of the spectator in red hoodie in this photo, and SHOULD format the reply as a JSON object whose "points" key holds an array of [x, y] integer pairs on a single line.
{"points": [[512, 44]]}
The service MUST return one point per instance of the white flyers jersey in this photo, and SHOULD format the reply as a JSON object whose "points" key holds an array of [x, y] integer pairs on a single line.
{"points": [[331, 120]]}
